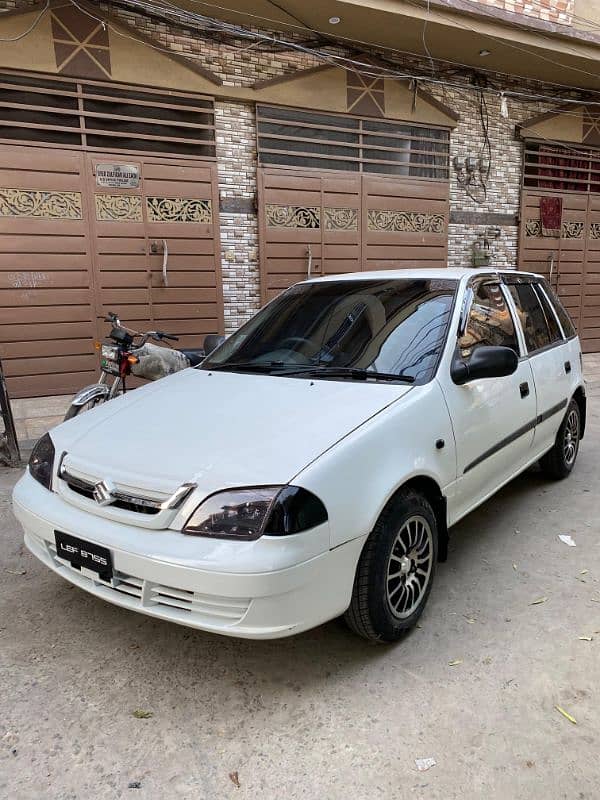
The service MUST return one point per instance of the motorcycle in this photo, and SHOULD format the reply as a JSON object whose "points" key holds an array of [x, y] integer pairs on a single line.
{"points": [[128, 352]]}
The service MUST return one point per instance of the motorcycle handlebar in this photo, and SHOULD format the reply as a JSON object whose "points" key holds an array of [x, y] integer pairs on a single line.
{"points": [[158, 335]]}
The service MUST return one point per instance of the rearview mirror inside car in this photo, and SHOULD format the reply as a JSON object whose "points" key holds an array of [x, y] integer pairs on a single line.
{"points": [[212, 341], [486, 361]]}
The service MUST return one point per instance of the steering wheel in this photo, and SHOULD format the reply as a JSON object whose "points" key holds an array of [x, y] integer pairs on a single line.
{"points": [[292, 341]]}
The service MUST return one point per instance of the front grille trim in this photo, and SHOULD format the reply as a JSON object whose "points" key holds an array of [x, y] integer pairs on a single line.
{"points": [[136, 503], [128, 502]]}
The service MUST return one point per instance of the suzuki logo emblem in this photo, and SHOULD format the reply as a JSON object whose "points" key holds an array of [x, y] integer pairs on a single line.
{"points": [[104, 492]]}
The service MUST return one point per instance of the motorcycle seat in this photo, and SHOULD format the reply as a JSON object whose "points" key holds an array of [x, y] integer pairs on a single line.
{"points": [[195, 355]]}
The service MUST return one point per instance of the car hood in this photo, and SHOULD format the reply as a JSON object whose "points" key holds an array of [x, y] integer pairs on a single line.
{"points": [[218, 429]]}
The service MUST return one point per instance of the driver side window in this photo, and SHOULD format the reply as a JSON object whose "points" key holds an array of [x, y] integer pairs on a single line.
{"points": [[490, 321]]}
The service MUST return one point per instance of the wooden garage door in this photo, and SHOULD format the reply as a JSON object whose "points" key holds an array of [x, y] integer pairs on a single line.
{"points": [[405, 223], [47, 315], [333, 223], [72, 246], [571, 261], [71, 250], [339, 193], [168, 225], [309, 224]]}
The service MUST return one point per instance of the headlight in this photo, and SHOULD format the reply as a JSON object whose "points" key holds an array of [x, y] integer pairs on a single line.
{"points": [[249, 513], [111, 352], [41, 461]]}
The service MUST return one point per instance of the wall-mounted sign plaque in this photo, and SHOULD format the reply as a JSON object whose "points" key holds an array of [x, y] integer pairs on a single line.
{"points": [[118, 176]]}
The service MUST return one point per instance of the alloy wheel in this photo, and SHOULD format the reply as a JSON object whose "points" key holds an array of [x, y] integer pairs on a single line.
{"points": [[409, 566], [571, 437]]}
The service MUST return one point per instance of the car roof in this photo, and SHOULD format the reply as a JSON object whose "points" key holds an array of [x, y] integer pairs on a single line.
{"points": [[449, 273]]}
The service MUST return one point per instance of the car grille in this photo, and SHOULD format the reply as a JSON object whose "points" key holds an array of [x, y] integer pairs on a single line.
{"points": [[141, 505], [183, 603]]}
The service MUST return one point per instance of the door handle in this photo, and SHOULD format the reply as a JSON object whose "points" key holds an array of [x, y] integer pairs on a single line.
{"points": [[567, 367], [524, 389], [165, 262]]}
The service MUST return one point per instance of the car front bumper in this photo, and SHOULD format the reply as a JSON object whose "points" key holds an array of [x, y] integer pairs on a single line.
{"points": [[258, 604]]}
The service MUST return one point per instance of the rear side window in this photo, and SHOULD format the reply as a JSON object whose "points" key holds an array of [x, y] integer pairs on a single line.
{"points": [[553, 326], [490, 321], [561, 312], [537, 328]]}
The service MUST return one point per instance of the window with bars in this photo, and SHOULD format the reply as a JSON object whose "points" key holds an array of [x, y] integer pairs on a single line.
{"points": [[295, 138], [568, 168], [99, 115]]}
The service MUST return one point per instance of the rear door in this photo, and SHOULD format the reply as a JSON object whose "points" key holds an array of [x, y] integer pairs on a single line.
{"points": [[548, 354]]}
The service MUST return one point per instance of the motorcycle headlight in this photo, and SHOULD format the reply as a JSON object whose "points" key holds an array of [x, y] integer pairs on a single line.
{"points": [[247, 514], [41, 461]]}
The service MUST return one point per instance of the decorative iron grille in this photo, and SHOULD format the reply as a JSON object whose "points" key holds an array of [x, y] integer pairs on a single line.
{"points": [[562, 168], [291, 137], [97, 115]]}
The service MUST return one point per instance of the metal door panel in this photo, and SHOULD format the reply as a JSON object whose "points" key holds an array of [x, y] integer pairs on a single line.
{"points": [[346, 222], [45, 268]]}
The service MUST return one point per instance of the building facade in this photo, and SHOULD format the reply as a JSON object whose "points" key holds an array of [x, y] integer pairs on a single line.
{"points": [[182, 172]]}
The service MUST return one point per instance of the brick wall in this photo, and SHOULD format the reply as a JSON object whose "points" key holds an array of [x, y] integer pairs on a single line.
{"points": [[560, 11], [236, 159], [503, 187]]}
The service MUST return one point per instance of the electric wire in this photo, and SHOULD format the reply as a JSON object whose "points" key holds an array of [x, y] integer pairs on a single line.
{"points": [[367, 69], [420, 55], [331, 59], [30, 29]]}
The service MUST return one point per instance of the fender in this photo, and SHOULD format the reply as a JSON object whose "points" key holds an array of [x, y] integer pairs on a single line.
{"points": [[83, 396]]}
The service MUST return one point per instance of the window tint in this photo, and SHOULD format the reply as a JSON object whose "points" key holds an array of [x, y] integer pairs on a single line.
{"points": [[532, 316], [490, 321], [561, 312], [553, 326], [392, 326]]}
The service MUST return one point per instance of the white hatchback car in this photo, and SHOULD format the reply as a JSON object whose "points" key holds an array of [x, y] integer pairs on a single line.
{"points": [[313, 464]]}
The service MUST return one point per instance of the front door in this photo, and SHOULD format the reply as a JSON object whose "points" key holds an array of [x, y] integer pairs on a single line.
{"points": [[494, 418]]}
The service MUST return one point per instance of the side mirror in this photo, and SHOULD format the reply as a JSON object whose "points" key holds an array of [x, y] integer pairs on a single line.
{"points": [[212, 341], [486, 361]]}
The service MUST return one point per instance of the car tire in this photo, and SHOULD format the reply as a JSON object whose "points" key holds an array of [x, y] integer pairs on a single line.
{"points": [[559, 462], [395, 571]]}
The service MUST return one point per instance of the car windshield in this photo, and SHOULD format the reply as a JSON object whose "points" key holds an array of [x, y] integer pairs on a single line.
{"points": [[358, 329]]}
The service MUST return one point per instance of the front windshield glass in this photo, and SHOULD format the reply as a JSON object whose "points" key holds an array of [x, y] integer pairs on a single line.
{"points": [[374, 327]]}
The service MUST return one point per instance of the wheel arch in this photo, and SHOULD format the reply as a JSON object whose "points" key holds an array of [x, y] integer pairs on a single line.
{"points": [[581, 400], [430, 489]]}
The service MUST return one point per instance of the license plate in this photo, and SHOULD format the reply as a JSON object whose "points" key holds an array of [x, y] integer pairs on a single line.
{"points": [[110, 366], [80, 553]]}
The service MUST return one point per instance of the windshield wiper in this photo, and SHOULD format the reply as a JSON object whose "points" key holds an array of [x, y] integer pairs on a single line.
{"points": [[248, 366], [354, 373]]}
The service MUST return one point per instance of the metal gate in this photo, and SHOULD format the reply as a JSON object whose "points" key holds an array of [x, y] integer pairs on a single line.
{"points": [[156, 247], [330, 223], [571, 261], [78, 238], [570, 258]]}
